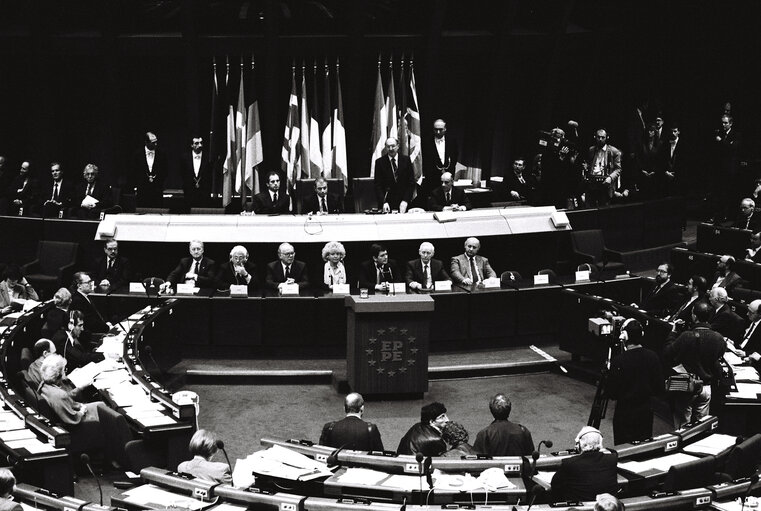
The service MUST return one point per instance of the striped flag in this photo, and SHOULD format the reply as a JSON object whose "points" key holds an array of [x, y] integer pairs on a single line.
{"points": [[228, 170], [326, 126], [240, 139], [404, 143], [304, 141], [413, 126], [380, 124], [315, 154], [392, 123], [340, 164], [289, 153], [254, 151]]}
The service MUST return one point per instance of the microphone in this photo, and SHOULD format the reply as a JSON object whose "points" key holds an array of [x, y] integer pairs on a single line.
{"points": [[753, 480], [535, 454], [535, 491], [221, 447], [419, 458], [149, 351], [427, 469], [332, 460], [86, 460]]}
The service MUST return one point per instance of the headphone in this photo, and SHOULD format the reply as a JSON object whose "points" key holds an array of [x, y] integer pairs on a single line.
{"points": [[624, 336], [584, 432]]}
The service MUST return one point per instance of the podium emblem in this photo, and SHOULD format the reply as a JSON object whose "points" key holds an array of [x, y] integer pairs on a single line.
{"points": [[392, 350]]}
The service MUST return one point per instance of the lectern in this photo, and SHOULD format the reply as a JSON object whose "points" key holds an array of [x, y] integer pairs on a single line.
{"points": [[387, 343]]}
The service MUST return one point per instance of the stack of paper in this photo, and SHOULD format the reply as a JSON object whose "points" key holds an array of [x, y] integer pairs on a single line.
{"points": [[713, 444]]}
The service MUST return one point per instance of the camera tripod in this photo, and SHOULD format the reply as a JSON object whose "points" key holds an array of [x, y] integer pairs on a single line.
{"points": [[600, 403]]}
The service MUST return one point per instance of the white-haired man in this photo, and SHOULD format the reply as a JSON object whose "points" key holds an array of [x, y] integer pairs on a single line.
{"points": [[425, 270], [197, 269], [593, 471], [237, 271]]}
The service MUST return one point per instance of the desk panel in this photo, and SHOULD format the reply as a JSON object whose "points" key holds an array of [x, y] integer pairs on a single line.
{"points": [[492, 316], [289, 321], [237, 321]]}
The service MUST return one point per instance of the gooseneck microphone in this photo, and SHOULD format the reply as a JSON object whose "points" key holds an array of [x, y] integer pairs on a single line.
{"points": [[535, 454], [149, 351], [221, 447], [535, 491], [419, 458], [332, 460], [753, 480], [86, 460], [427, 469]]}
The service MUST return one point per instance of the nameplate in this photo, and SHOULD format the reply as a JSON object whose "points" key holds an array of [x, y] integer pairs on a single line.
{"points": [[341, 289], [445, 216], [491, 283], [442, 285], [541, 279], [136, 287], [398, 288], [582, 276], [186, 289], [239, 291], [559, 219], [289, 289]]}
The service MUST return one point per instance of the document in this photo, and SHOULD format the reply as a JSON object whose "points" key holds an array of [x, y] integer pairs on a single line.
{"points": [[361, 476], [10, 421], [150, 494], [403, 482], [662, 464], [278, 461], [32, 445], [162, 420], [19, 434], [713, 444], [746, 391]]}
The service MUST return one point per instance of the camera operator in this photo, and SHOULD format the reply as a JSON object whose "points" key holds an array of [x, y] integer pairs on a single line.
{"points": [[559, 174], [602, 171]]}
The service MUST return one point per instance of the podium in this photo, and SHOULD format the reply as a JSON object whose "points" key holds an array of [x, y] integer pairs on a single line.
{"points": [[387, 343]]}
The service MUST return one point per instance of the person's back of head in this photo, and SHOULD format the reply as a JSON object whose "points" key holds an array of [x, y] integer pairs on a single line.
{"points": [[7, 482], [500, 406], [354, 403], [607, 502], [702, 312], [203, 443], [43, 345], [454, 434], [589, 439]]}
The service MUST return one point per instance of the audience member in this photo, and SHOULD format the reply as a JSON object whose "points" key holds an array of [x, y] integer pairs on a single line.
{"points": [[753, 254], [334, 271], [352, 432], [698, 351], [635, 378], [725, 275], [57, 317], [602, 171], [148, 172], [456, 437], [80, 301], [592, 472], [725, 183], [238, 271], [724, 320], [92, 196], [271, 201], [664, 298], [447, 197], [651, 164], [61, 196], [203, 446], [23, 194], [195, 172], [748, 219], [14, 288], [697, 287], [197, 269], [394, 179], [607, 502], [520, 184], [749, 345], [470, 268], [676, 160], [377, 273], [559, 176], [424, 271], [41, 349], [425, 436], [69, 345], [322, 202], [112, 271], [503, 437], [7, 484], [286, 270], [6, 177]]}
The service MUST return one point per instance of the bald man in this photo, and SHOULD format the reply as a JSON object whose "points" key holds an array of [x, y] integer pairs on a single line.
{"points": [[286, 270], [394, 179], [446, 197], [352, 432], [750, 343], [423, 272], [470, 268], [593, 471]]}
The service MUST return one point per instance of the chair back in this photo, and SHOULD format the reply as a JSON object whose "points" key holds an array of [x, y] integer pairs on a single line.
{"points": [[547, 271], [589, 242], [693, 474], [364, 194], [304, 188], [54, 255], [509, 276]]}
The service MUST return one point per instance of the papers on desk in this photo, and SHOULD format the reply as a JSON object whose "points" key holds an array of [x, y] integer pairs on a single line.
{"points": [[732, 359], [736, 505], [490, 479], [112, 345], [10, 421], [18, 434], [32, 445], [150, 494], [544, 479], [662, 464], [362, 476], [128, 394], [224, 506], [280, 462], [108, 379], [746, 391], [713, 444], [745, 373], [84, 376], [403, 482]]}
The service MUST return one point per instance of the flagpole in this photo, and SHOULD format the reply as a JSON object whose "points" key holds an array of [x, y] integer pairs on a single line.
{"points": [[212, 139]]}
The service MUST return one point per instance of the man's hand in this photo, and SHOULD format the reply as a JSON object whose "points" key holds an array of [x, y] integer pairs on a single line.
{"points": [[415, 285], [382, 286], [241, 270], [402, 207], [190, 276], [514, 194], [467, 281], [386, 208], [105, 283], [608, 180]]}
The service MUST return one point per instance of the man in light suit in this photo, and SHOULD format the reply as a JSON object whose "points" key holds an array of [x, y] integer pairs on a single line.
{"points": [[272, 200], [195, 172], [196, 269], [602, 171], [286, 270], [461, 267], [112, 271], [394, 178], [203, 445], [352, 432], [424, 271]]}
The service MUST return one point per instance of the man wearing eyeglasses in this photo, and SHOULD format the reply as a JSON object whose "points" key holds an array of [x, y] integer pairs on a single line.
{"points": [[664, 298], [446, 197], [80, 300]]}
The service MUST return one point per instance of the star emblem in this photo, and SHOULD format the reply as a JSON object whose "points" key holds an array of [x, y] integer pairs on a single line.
{"points": [[380, 370], [391, 329], [411, 339], [371, 340], [402, 369], [411, 362], [403, 331], [391, 373], [369, 352], [413, 351], [381, 331], [371, 363]]}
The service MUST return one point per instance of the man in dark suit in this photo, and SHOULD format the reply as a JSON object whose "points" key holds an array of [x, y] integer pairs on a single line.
{"points": [[749, 345], [195, 172], [286, 270], [80, 301], [148, 171], [394, 178], [271, 201], [352, 432], [676, 161], [697, 286], [725, 321], [377, 273], [69, 343], [447, 196], [520, 184], [590, 473], [91, 196], [462, 266], [238, 271], [753, 254], [665, 297], [112, 271], [441, 155], [61, 193], [425, 436], [424, 271], [197, 269], [502, 437], [602, 171], [321, 202], [23, 192], [725, 176], [748, 218], [725, 275]]}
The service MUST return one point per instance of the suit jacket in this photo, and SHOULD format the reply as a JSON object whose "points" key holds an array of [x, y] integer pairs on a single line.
{"points": [[66, 193], [460, 268], [206, 273], [583, 477], [149, 186], [612, 167], [5, 295], [55, 320], [28, 194], [119, 275], [200, 468], [433, 166], [527, 190], [94, 322], [101, 192], [756, 258], [276, 276], [686, 313], [227, 277], [388, 189], [676, 162], [664, 301], [195, 196], [262, 203], [353, 433], [504, 438], [311, 204], [368, 274], [437, 200], [728, 323], [415, 272], [752, 224], [422, 438], [754, 342], [76, 354], [731, 281]]}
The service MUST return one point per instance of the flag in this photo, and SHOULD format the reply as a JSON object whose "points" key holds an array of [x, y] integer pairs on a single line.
{"points": [[380, 123], [326, 126], [239, 143], [289, 154], [228, 170], [304, 141], [413, 128], [404, 145], [254, 152], [315, 155], [393, 126], [340, 165], [217, 127]]}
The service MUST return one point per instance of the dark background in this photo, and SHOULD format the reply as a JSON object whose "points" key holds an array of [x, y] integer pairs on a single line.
{"points": [[80, 81]]}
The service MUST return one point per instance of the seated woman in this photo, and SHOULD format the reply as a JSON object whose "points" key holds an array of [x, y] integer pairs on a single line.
{"points": [[14, 289], [333, 253], [203, 445], [92, 425], [7, 483], [57, 317], [456, 437]]}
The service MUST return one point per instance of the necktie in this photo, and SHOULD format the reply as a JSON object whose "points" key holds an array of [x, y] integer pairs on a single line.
{"points": [[89, 189], [274, 198], [748, 334], [393, 167], [449, 197], [473, 272], [197, 267], [323, 206], [380, 274], [110, 264], [427, 272], [287, 271], [55, 192]]}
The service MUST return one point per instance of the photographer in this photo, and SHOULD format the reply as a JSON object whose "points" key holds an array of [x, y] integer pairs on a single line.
{"points": [[559, 174], [602, 171]]}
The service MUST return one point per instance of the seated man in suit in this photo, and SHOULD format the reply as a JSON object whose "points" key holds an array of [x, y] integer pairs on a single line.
{"points": [[321, 202], [725, 276], [470, 268], [23, 192], [203, 445], [112, 271], [503, 437], [592, 472], [753, 253], [352, 432], [57, 317], [697, 286], [750, 344], [61, 196], [394, 179], [91, 196], [80, 301], [377, 273], [748, 218], [521, 185], [446, 197], [725, 321], [271, 201], [423, 272], [238, 271], [14, 288], [197, 269], [425, 436], [69, 346], [41, 349], [286, 270], [664, 298]]}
